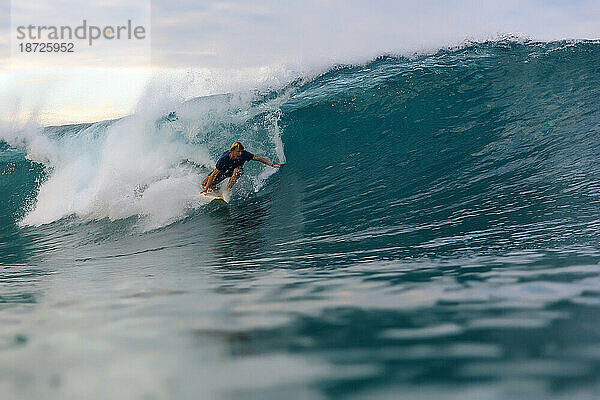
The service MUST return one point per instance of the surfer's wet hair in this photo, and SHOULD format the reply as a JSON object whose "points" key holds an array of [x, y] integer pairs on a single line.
{"points": [[236, 146]]}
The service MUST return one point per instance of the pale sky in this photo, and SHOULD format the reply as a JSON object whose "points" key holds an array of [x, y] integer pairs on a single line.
{"points": [[226, 45]]}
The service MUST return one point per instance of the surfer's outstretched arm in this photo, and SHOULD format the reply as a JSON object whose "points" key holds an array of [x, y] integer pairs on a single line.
{"points": [[266, 162], [208, 181]]}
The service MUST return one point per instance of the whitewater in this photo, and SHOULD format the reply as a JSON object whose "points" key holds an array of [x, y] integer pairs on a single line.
{"points": [[434, 234]]}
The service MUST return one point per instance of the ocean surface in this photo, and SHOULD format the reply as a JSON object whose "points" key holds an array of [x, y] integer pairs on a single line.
{"points": [[434, 235]]}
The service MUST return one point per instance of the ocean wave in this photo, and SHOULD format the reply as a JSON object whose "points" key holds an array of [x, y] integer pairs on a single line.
{"points": [[489, 145]]}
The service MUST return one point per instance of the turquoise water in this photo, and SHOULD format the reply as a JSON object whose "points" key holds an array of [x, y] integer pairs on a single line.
{"points": [[434, 234]]}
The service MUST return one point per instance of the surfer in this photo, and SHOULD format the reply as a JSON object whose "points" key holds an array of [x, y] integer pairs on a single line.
{"points": [[231, 165]]}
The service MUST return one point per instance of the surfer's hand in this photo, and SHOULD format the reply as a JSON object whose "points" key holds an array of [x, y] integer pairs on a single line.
{"points": [[277, 165]]}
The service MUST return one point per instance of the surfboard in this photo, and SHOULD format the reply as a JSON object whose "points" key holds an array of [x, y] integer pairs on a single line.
{"points": [[217, 196]]}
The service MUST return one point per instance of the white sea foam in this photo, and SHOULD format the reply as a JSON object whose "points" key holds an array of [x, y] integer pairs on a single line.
{"points": [[149, 164]]}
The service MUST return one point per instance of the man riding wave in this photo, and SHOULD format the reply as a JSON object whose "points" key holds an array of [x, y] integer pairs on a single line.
{"points": [[230, 165]]}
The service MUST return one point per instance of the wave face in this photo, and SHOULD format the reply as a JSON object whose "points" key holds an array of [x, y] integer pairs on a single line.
{"points": [[427, 204], [493, 147]]}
